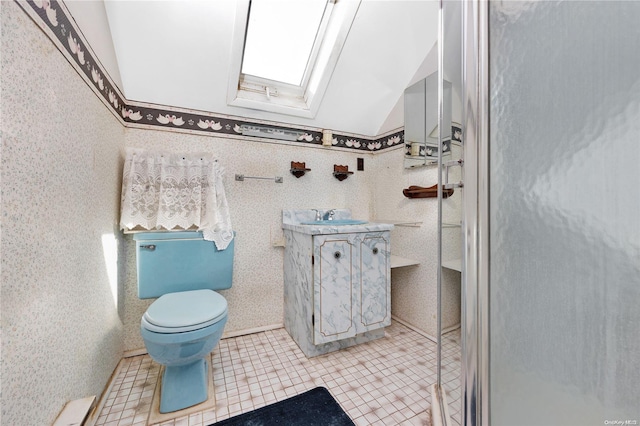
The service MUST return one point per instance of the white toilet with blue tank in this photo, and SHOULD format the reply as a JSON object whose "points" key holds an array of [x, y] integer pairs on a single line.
{"points": [[185, 323]]}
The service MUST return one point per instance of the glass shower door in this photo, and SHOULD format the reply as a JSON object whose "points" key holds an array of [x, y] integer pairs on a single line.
{"points": [[557, 244], [445, 407]]}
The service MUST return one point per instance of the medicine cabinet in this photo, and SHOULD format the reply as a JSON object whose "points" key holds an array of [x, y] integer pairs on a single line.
{"points": [[421, 122]]}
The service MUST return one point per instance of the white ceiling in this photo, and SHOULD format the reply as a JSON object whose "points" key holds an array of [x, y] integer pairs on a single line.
{"points": [[178, 53]]}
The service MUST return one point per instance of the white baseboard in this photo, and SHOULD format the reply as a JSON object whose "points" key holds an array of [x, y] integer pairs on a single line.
{"points": [[93, 416], [251, 330], [422, 333], [236, 333], [75, 412], [135, 352]]}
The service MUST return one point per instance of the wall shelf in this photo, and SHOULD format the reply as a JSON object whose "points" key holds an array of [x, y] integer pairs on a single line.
{"points": [[454, 264], [408, 223], [298, 169], [341, 172], [451, 225], [426, 192], [399, 262]]}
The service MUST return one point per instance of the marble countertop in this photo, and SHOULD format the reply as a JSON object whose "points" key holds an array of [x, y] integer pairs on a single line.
{"points": [[292, 219]]}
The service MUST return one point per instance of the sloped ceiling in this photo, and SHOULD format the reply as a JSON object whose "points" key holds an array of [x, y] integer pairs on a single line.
{"points": [[178, 53]]}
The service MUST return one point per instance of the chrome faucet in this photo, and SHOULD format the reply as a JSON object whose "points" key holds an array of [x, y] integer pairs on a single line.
{"points": [[330, 214], [318, 215]]}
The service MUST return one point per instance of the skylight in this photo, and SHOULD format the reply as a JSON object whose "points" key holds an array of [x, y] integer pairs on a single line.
{"points": [[280, 38], [284, 52]]}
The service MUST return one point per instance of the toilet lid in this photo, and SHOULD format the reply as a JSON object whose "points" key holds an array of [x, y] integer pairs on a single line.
{"points": [[186, 309]]}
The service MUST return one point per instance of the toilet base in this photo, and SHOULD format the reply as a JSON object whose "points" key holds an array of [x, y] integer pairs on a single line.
{"points": [[183, 386]]}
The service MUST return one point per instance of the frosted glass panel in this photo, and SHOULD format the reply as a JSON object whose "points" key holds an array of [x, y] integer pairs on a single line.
{"points": [[565, 212]]}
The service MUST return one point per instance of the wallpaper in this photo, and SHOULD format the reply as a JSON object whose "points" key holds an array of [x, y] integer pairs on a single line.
{"points": [[61, 331]]}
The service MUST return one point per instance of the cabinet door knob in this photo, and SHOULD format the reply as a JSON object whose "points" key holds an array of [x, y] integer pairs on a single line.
{"points": [[151, 247], [375, 250], [337, 255]]}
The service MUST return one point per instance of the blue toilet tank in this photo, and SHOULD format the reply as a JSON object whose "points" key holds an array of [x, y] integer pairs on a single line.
{"points": [[169, 262]]}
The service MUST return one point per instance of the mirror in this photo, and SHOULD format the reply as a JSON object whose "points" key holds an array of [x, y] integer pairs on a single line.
{"points": [[421, 122]]}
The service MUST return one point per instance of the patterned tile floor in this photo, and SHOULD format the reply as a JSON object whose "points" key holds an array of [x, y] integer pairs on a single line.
{"points": [[384, 382]]}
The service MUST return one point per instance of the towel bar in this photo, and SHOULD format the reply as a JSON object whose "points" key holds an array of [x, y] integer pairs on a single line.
{"points": [[276, 179]]}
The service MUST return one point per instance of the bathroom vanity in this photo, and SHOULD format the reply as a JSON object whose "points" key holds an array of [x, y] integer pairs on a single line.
{"points": [[337, 289]]}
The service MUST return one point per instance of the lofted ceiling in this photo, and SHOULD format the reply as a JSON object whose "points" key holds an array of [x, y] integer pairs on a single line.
{"points": [[178, 53]]}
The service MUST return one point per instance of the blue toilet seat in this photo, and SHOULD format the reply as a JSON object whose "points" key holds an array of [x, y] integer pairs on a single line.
{"points": [[184, 311]]}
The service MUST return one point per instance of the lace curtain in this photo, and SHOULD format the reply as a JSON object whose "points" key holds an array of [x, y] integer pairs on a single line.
{"points": [[162, 191]]}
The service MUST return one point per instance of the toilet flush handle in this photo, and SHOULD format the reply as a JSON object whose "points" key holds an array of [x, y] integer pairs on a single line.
{"points": [[151, 247]]}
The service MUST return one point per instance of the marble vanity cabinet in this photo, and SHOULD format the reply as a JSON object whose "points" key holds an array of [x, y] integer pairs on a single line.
{"points": [[336, 282]]}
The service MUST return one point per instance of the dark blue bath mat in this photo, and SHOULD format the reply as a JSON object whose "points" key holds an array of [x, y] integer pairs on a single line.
{"points": [[312, 408]]}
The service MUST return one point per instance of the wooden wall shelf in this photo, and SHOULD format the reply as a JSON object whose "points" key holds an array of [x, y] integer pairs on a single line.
{"points": [[298, 169], [428, 192], [341, 172]]}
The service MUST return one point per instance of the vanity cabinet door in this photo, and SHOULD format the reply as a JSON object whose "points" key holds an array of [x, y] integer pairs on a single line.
{"points": [[374, 301], [333, 289]]}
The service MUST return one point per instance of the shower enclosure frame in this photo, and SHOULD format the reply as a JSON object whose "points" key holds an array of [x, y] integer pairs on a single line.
{"points": [[475, 214]]}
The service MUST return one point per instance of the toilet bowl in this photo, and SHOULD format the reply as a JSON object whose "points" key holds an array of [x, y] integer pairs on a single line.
{"points": [[179, 330], [186, 322]]}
